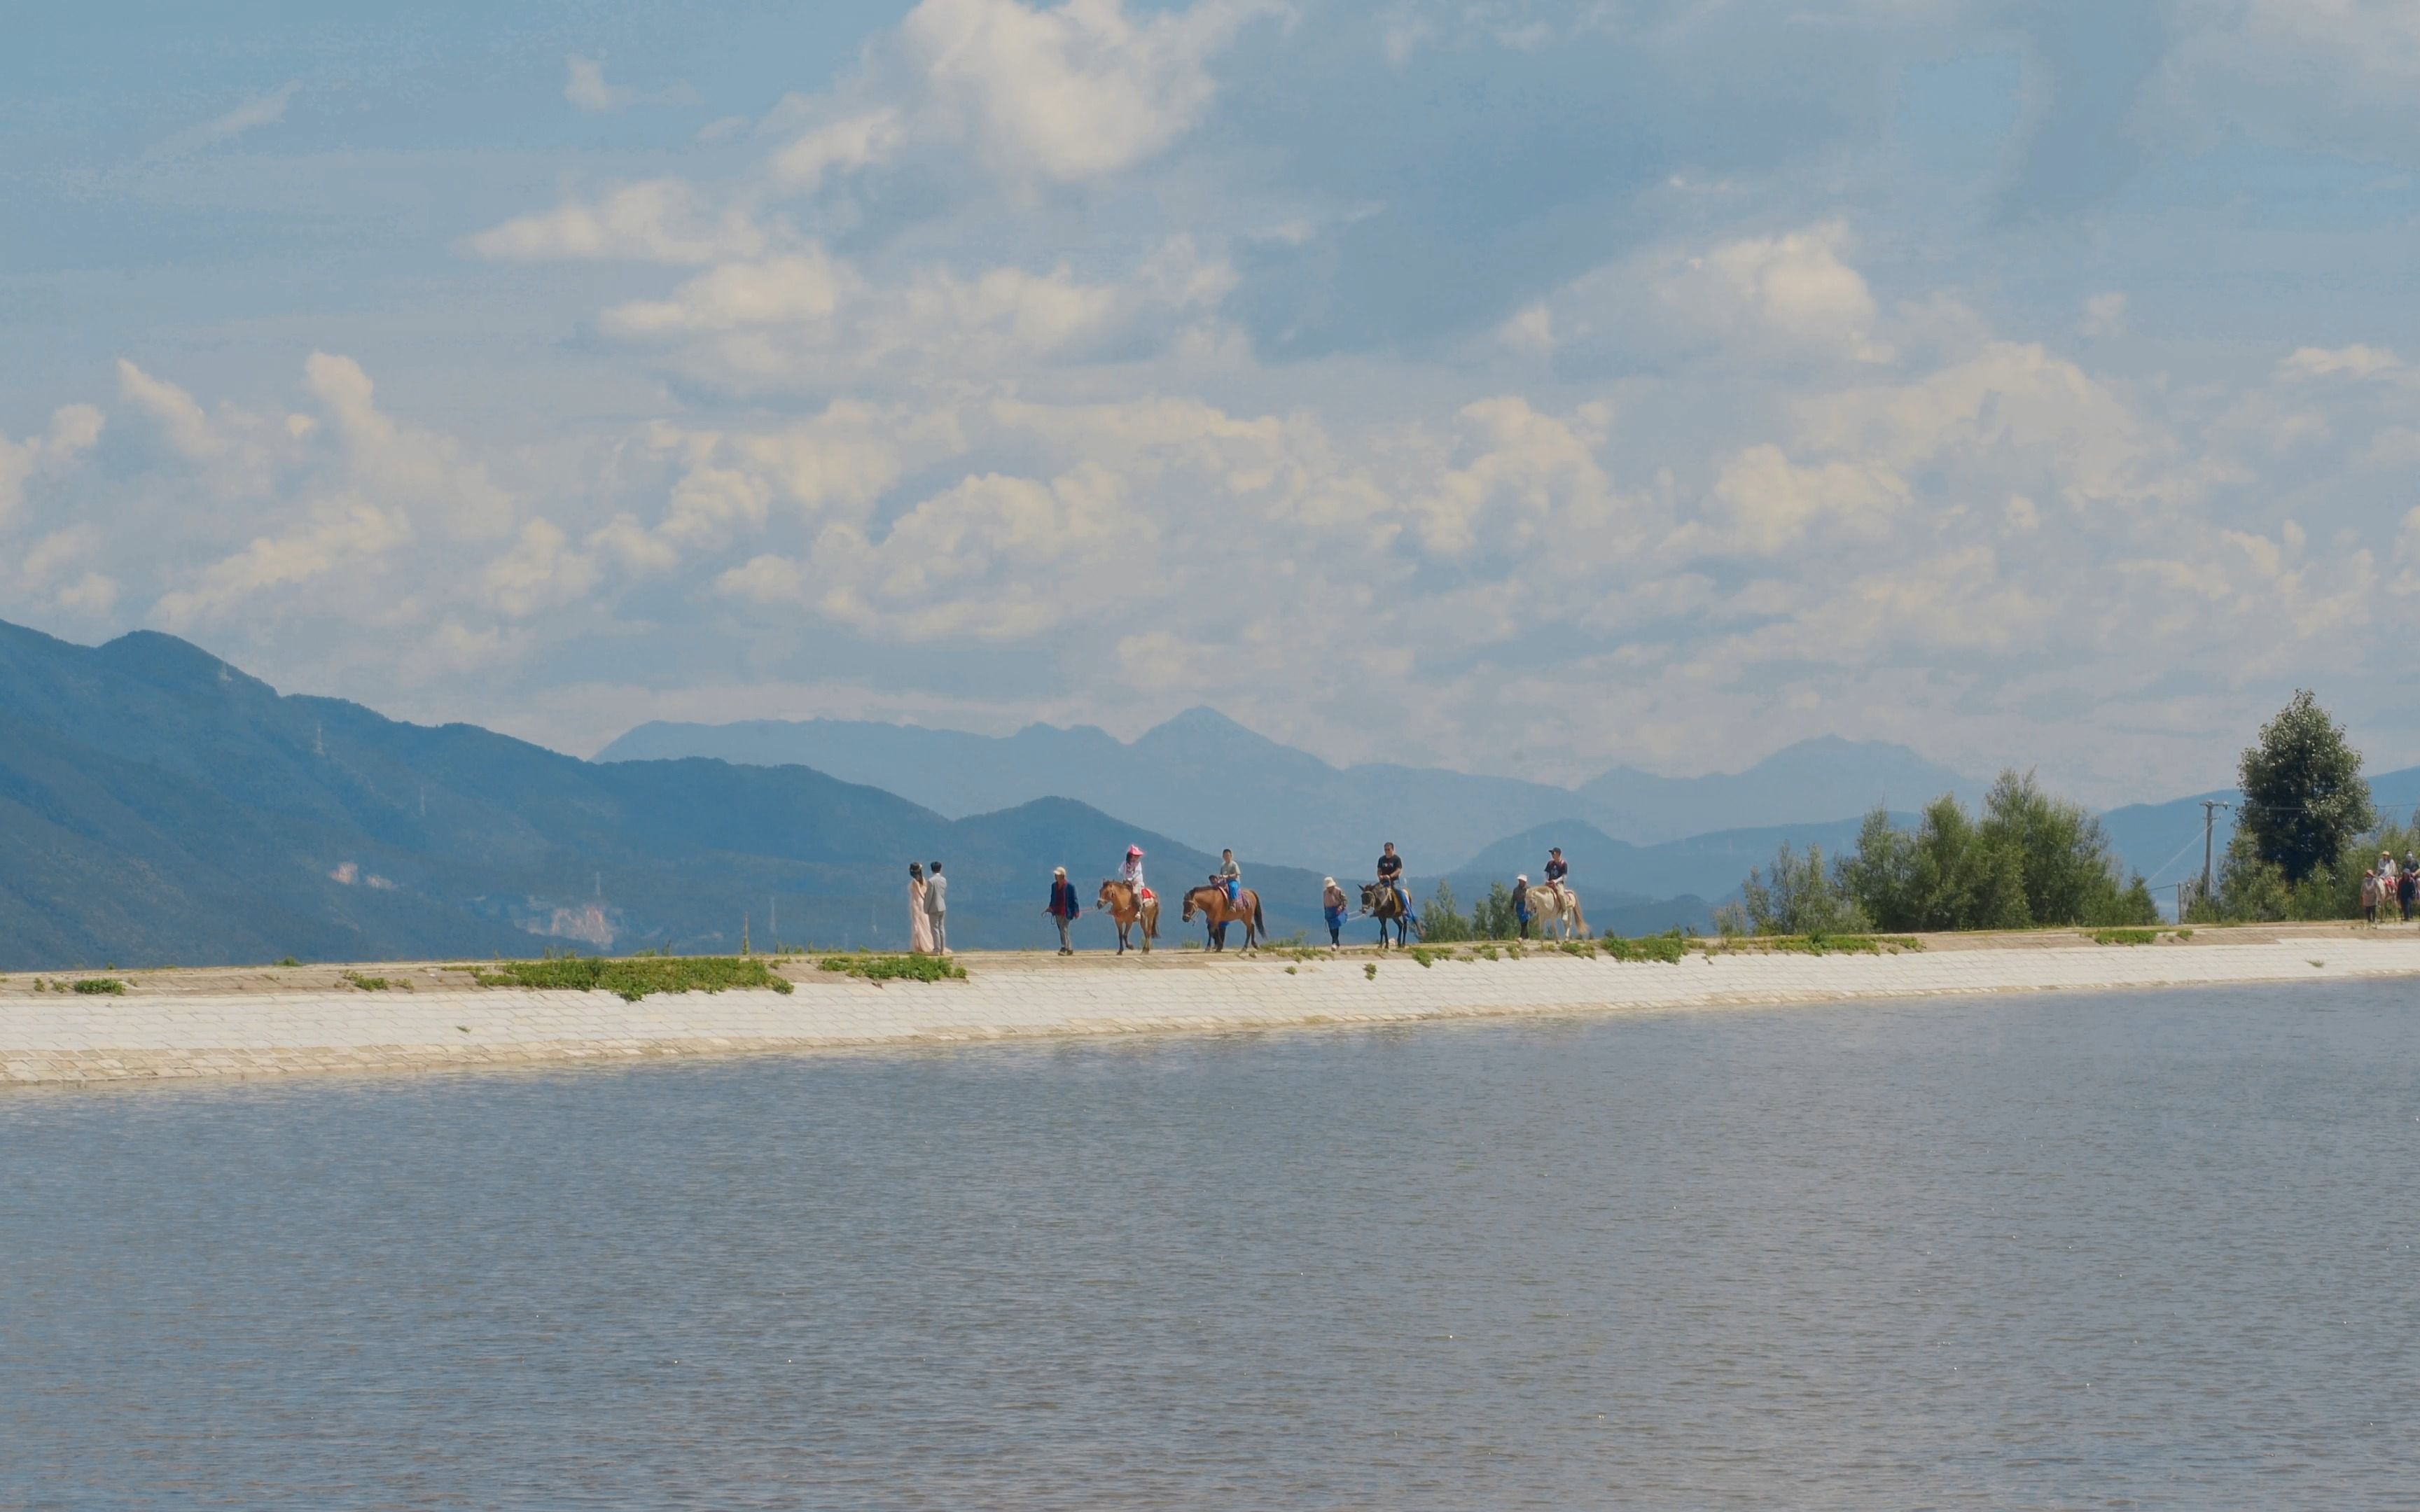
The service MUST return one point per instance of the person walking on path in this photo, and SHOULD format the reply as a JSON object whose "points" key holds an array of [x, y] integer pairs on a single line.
{"points": [[2370, 896], [1331, 905], [920, 924], [1521, 904], [2407, 891], [1064, 907], [937, 904], [1232, 876]]}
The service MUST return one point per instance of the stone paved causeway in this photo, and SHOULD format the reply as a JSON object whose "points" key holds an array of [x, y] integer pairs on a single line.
{"points": [[156, 1031]]}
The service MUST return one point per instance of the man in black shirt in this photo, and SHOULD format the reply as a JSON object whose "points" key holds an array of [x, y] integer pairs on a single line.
{"points": [[1390, 872], [1555, 869]]}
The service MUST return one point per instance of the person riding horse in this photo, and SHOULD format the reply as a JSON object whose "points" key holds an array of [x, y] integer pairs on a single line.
{"points": [[1390, 874]]}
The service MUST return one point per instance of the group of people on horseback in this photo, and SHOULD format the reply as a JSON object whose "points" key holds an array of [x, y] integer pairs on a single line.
{"points": [[1224, 899]]}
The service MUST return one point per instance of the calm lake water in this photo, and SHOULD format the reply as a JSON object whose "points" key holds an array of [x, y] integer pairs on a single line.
{"points": [[2138, 1250]]}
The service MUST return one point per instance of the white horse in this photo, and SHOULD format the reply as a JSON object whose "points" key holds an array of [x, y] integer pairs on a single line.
{"points": [[1555, 906]]}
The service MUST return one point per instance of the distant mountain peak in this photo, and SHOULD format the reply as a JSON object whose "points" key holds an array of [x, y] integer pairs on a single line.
{"points": [[165, 660]]}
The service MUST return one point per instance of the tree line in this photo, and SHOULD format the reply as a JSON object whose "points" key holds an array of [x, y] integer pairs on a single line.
{"points": [[2304, 828]]}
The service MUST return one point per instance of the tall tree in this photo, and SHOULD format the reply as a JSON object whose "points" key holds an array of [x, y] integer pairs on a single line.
{"points": [[2303, 797]]}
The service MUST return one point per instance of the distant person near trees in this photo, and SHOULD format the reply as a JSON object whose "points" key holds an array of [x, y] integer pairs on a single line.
{"points": [[2407, 891], [1064, 907], [937, 908], [1331, 906]]}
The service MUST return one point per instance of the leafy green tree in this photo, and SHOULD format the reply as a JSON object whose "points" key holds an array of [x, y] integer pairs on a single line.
{"points": [[2303, 797], [2071, 875], [1492, 917], [1803, 896], [2031, 858], [1441, 921]]}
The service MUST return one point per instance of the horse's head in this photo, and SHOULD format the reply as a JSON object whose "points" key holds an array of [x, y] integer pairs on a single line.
{"points": [[1369, 895], [1109, 892]]}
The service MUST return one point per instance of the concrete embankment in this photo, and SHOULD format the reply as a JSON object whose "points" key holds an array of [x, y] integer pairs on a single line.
{"points": [[257, 1022]]}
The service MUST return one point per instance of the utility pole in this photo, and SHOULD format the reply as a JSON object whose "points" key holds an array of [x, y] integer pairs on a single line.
{"points": [[2210, 808]]}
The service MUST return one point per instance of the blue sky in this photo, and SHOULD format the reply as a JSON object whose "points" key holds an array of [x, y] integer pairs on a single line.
{"points": [[1515, 387]]}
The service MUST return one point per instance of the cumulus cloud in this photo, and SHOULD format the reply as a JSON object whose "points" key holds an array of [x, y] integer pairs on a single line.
{"points": [[72, 431], [1794, 288], [2354, 361], [657, 220], [809, 319]]}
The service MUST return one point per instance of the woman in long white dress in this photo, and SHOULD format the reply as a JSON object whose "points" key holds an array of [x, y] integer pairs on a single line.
{"points": [[920, 924]]}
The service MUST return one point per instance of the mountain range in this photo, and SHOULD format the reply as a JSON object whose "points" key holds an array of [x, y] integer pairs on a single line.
{"points": [[1210, 782], [159, 806]]}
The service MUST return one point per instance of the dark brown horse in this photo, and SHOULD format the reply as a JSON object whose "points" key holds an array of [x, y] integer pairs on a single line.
{"points": [[1210, 900], [1119, 902], [1380, 902]]}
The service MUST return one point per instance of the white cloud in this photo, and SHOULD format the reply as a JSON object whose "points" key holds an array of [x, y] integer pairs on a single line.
{"points": [[2355, 361], [657, 220], [343, 533], [585, 86], [849, 143], [991, 558], [1793, 287], [252, 115], [73, 430], [1769, 504], [2104, 314], [809, 319], [1072, 92], [540, 573], [1062, 95]]}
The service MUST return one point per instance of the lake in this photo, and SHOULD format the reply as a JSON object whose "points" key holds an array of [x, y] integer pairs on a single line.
{"points": [[2150, 1249]]}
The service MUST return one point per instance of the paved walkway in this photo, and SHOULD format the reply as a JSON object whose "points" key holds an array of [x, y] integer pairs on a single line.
{"points": [[157, 1031]]}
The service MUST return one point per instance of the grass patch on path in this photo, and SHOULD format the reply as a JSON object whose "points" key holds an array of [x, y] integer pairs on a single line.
{"points": [[896, 967], [634, 978]]}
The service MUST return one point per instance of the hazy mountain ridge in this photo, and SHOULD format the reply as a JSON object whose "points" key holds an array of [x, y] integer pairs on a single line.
{"points": [[1212, 782], [158, 806]]}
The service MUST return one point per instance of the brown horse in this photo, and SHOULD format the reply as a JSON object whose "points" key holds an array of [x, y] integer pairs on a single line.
{"points": [[1210, 900], [1378, 901], [1119, 902]]}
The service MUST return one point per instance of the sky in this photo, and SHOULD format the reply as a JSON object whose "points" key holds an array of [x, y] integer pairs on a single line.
{"points": [[1514, 387]]}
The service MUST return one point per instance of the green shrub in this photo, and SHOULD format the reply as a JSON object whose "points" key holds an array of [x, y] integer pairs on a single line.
{"points": [[367, 984], [1668, 948], [896, 967], [2125, 936], [635, 977], [109, 985]]}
